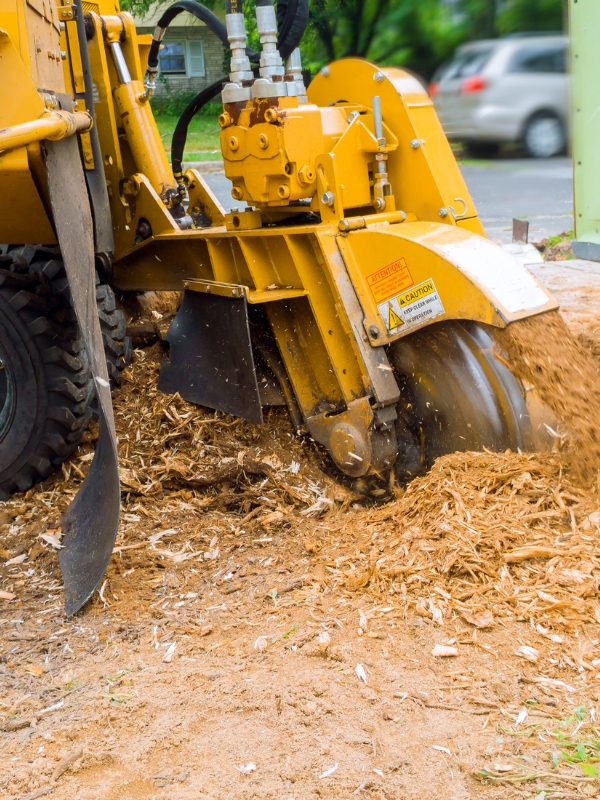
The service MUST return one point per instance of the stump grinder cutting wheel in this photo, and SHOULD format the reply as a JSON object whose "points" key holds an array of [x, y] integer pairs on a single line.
{"points": [[353, 267]]}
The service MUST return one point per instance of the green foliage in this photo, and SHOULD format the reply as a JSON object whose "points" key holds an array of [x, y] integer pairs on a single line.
{"points": [[417, 35], [172, 103], [203, 140], [561, 237], [585, 753], [532, 15]]}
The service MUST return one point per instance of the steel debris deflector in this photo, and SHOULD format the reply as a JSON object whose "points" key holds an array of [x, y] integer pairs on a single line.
{"points": [[91, 521], [210, 361]]}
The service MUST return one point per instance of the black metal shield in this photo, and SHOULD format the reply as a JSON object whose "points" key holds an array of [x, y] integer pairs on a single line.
{"points": [[91, 521], [210, 361]]}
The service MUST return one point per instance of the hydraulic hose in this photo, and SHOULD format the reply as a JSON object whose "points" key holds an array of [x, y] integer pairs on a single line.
{"points": [[181, 130], [200, 12], [293, 18]]}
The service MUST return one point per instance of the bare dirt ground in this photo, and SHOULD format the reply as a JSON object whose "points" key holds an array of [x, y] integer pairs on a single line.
{"points": [[262, 632]]}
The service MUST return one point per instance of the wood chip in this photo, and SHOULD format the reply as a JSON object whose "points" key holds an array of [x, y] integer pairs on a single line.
{"points": [[444, 651], [64, 764]]}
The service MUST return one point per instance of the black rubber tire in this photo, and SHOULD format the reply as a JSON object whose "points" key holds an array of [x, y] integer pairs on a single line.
{"points": [[46, 389], [117, 345], [481, 149], [456, 396]]}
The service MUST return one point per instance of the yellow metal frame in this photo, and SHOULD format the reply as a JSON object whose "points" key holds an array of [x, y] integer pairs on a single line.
{"points": [[329, 288]]}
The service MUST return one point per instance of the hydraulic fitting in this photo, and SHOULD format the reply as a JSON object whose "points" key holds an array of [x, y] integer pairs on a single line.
{"points": [[271, 82], [241, 71], [293, 76]]}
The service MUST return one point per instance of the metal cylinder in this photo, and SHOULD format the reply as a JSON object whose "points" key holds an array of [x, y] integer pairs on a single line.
{"points": [[144, 139], [120, 63], [293, 76], [378, 121], [240, 69], [266, 23], [54, 125]]}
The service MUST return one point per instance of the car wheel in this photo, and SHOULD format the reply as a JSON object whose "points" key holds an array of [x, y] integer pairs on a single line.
{"points": [[481, 149], [544, 136]]}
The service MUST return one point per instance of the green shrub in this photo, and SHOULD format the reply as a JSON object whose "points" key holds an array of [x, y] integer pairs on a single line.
{"points": [[173, 104]]}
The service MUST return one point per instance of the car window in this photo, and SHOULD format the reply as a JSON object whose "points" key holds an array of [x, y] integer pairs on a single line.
{"points": [[465, 64], [537, 59]]}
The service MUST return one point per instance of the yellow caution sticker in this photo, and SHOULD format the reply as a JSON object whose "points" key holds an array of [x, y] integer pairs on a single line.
{"points": [[411, 308], [394, 321], [389, 280]]}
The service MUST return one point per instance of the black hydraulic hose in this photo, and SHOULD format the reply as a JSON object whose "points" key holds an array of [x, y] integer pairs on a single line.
{"points": [[292, 19], [200, 12], [295, 20], [181, 130]]}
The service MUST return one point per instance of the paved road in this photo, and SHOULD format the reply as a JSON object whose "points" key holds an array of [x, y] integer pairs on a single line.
{"points": [[538, 190], [534, 189]]}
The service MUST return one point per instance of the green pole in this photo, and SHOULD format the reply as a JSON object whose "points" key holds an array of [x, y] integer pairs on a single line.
{"points": [[584, 19]]}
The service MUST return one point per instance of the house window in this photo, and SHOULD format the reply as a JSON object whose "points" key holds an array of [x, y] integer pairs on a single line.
{"points": [[182, 58], [172, 58]]}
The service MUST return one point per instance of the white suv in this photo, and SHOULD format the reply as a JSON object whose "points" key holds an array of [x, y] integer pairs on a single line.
{"points": [[514, 89]]}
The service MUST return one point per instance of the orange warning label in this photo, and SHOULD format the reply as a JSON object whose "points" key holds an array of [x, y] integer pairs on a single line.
{"points": [[390, 280]]}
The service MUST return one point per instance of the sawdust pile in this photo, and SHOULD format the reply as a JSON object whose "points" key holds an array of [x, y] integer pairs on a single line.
{"points": [[167, 445], [486, 536], [543, 351]]}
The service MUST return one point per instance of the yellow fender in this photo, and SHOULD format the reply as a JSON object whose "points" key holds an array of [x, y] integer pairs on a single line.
{"points": [[413, 274]]}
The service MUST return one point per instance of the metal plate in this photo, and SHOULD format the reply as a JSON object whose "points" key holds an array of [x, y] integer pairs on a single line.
{"points": [[211, 362], [91, 521]]}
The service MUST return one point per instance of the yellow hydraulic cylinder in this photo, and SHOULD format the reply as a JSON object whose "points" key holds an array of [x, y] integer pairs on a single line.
{"points": [[53, 125], [144, 139]]}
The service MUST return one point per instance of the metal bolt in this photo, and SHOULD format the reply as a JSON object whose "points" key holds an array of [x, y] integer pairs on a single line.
{"points": [[374, 331], [327, 198], [379, 76], [415, 144], [352, 116], [443, 212], [324, 71]]}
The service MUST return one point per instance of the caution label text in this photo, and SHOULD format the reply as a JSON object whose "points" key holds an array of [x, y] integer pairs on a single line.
{"points": [[390, 280], [411, 308]]}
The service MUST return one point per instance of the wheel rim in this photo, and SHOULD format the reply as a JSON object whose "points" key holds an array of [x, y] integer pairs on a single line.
{"points": [[457, 396], [545, 137], [7, 395]]}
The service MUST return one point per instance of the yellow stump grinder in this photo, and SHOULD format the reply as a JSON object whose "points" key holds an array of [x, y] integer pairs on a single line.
{"points": [[352, 266]]}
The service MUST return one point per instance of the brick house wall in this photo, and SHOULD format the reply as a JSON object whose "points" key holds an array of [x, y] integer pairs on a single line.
{"points": [[191, 58]]}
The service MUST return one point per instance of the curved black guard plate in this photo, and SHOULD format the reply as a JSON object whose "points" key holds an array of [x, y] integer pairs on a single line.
{"points": [[91, 521], [211, 361]]}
